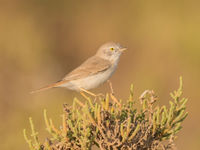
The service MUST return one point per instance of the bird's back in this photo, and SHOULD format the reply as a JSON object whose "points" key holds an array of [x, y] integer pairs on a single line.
{"points": [[91, 66]]}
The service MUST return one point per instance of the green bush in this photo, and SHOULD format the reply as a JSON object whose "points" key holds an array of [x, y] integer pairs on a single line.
{"points": [[108, 123]]}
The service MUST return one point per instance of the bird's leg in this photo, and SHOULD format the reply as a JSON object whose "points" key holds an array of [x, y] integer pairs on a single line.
{"points": [[88, 92], [83, 94], [111, 87]]}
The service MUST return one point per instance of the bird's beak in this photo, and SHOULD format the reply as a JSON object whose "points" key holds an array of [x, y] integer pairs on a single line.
{"points": [[123, 49]]}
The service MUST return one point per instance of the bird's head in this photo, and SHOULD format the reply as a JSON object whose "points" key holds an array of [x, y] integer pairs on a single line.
{"points": [[110, 51]]}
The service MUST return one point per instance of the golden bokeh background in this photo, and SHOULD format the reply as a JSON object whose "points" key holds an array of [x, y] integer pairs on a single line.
{"points": [[42, 40]]}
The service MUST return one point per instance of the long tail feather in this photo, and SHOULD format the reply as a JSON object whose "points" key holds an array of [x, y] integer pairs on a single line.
{"points": [[49, 87]]}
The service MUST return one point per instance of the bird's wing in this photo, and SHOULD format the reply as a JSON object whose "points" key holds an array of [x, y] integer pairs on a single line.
{"points": [[90, 67]]}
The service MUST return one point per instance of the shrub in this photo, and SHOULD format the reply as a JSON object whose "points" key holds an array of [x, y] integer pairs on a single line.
{"points": [[108, 123]]}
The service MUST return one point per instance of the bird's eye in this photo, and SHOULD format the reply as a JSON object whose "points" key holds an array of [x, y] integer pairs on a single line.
{"points": [[111, 48]]}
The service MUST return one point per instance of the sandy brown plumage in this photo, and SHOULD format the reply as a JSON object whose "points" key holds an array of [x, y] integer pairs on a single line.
{"points": [[93, 72], [91, 66]]}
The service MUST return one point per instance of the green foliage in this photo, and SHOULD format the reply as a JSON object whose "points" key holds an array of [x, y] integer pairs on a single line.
{"points": [[34, 143], [111, 124]]}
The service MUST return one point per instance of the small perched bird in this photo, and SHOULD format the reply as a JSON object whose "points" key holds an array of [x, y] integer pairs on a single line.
{"points": [[93, 72]]}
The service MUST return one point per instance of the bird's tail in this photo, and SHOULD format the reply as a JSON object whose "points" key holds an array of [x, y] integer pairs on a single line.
{"points": [[49, 86]]}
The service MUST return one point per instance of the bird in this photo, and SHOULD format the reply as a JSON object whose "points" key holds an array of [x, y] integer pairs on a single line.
{"points": [[93, 72]]}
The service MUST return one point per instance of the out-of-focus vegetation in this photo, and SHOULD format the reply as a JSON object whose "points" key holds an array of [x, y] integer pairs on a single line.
{"points": [[41, 41], [111, 124]]}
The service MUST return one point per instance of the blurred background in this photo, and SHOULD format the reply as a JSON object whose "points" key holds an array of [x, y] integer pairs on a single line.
{"points": [[42, 40]]}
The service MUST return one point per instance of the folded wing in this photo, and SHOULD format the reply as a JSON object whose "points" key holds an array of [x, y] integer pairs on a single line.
{"points": [[90, 67]]}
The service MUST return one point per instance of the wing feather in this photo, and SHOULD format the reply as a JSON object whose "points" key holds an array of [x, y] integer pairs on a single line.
{"points": [[91, 66]]}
